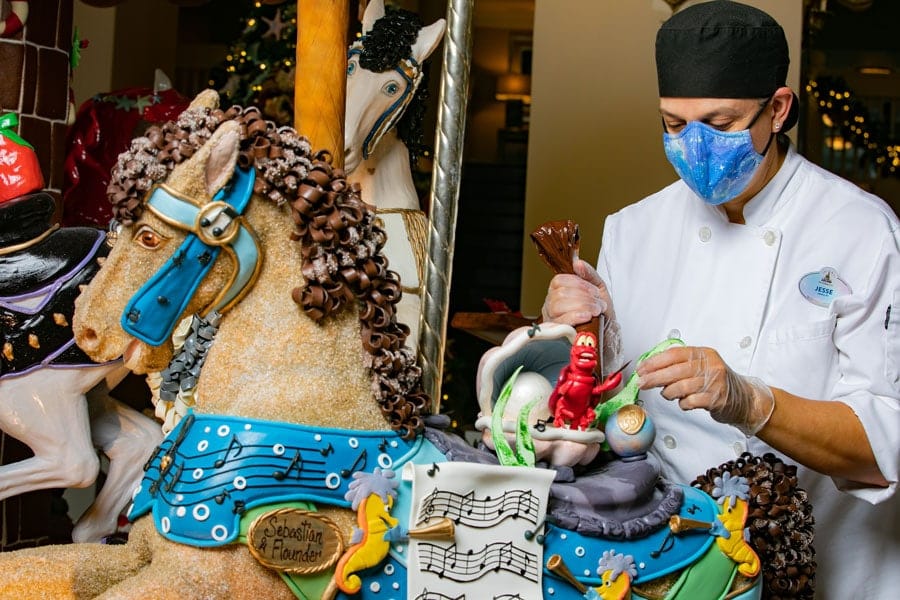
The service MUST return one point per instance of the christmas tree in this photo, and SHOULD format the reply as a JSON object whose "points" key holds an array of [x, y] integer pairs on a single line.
{"points": [[259, 67]]}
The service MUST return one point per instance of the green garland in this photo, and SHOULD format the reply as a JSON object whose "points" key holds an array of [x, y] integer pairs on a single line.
{"points": [[840, 109]]}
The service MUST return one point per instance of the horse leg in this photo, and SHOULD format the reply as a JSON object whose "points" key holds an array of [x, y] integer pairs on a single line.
{"points": [[47, 411], [127, 438], [70, 570], [181, 572]]}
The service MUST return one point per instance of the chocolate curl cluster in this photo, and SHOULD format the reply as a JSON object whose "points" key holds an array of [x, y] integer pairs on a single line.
{"points": [[780, 521], [281, 156], [151, 158], [342, 248], [343, 264]]}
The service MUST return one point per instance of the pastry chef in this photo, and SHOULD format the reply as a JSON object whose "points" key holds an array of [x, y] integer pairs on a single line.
{"points": [[782, 279]]}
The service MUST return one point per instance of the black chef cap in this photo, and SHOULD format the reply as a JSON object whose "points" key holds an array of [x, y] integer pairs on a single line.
{"points": [[722, 49]]}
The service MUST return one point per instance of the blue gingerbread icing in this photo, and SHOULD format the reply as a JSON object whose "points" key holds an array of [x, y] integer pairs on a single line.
{"points": [[210, 469]]}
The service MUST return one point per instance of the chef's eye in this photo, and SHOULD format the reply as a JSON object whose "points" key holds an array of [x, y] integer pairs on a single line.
{"points": [[148, 238], [351, 68]]}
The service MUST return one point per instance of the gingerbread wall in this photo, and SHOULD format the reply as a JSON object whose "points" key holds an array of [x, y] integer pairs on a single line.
{"points": [[34, 83]]}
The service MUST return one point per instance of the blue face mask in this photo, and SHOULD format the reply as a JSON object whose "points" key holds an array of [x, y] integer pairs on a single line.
{"points": [[717, 165]]}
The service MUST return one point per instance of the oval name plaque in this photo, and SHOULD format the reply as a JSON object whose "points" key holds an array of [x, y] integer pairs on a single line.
{"points": [[295, 541]]}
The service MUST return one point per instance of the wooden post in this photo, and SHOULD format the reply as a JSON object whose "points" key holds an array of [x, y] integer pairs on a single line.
{"points": [[321, 80]]}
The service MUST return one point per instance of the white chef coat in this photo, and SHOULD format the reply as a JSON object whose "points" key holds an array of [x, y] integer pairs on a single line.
{"points": [[676, 267]]}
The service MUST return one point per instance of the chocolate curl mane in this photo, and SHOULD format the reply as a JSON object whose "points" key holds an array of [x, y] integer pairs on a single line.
{"points": [[341, 247], [780, 520]]}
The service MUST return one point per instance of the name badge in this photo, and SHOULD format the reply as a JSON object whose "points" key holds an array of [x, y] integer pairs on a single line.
{"points": [[822, 287]]}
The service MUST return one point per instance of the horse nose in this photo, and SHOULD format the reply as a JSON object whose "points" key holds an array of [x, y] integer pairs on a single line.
{"points": [[88, 339]]}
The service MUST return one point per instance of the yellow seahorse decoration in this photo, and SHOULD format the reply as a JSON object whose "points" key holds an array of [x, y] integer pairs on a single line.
{"points": [[735, 508], [374, 519], [372, 495], [616, 573]]}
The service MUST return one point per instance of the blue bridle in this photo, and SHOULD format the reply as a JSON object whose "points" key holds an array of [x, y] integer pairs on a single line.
{"points": [[411, 72], [153, 312]]}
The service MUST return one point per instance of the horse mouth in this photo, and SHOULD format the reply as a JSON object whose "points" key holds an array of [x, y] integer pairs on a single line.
{"points": [[132, 356]]}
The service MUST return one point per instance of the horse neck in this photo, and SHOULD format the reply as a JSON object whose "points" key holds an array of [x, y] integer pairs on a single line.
{"points": [[385, 177], [270, 361]]}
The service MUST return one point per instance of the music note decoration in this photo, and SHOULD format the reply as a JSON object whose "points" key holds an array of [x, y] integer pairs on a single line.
{"points": [[471, 565], [426, 595], [480, 513]]}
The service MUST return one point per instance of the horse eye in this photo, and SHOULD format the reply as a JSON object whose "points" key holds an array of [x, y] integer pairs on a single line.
{"points": [[147, 238], [391, 88], [351, 68]]}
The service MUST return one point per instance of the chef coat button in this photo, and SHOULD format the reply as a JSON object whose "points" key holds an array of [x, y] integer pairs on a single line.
{"points": [[705, 233], [674, 334], [738, 448], [669, 442], [769, 237], [746, 341]]}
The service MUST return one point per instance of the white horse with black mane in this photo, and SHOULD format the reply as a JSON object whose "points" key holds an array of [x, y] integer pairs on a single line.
{"points": [[52, 396], [386, 93]]}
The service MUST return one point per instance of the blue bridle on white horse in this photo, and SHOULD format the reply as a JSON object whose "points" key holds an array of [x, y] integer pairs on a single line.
{"points": [[411, 72]]}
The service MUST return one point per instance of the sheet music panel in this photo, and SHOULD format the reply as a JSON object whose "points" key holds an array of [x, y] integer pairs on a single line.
{"points": [[498, 512]]}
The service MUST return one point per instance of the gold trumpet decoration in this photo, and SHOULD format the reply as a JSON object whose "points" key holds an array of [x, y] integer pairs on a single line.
{"points": [[557, 565], [678, 524], [443, 529]]}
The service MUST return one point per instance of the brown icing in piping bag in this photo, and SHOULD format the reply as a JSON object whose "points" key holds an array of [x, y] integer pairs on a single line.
{"points": [[557, 244]]}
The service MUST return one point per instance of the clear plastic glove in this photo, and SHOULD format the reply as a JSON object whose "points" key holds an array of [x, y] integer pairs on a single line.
{"points": [[576, 299], [699, 378]]}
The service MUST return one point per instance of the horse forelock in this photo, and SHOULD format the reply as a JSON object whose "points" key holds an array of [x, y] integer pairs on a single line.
{"points": [[385, 46], [341, 245]]}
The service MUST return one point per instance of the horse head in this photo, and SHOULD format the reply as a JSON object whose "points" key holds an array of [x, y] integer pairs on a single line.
{"points": [[384, 73], [108, 314], [207, 206]]}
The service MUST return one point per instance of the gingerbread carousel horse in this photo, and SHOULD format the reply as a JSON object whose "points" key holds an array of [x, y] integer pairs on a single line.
{"points": [[385, 104], [53, 397], [306, 467]]}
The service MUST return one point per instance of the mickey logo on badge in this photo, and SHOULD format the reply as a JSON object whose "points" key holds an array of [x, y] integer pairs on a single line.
{"points": [[823, 286]]}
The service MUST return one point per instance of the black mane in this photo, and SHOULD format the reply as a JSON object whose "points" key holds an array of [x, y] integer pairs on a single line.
{"points": [[384, 46]]}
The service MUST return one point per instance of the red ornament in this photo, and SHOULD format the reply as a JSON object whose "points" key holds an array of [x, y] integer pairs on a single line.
{"points": [[20, 172]]}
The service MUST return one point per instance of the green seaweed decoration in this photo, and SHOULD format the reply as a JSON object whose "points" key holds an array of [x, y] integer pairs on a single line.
{"points": [[523, 454], [629, 393]]}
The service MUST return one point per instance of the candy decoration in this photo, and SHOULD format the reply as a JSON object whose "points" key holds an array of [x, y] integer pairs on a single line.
{"points": [[15, 20], [20, 172]]}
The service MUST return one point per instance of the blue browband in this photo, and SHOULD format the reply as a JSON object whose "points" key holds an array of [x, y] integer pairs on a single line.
{"points": [[155, 309], [410, 70]]}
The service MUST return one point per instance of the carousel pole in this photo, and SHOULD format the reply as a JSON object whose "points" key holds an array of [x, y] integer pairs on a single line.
{"points": [[451, 127], [321, 81]]}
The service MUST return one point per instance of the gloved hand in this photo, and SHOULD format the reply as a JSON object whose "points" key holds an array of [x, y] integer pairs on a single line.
{"points": [[699, 378], [576, 299]]}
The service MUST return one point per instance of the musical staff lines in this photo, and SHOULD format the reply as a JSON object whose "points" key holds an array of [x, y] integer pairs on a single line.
{"points": [[480, 513], [471, 565], [202, 466]]}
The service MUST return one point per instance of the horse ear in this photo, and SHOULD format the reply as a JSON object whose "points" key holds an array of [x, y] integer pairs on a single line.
{"points": [[224, 145], [374, 11], [206, 99], [428, 39]]}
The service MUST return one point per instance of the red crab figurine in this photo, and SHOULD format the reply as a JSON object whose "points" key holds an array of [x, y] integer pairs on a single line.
{"points": [[577, 392]]}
